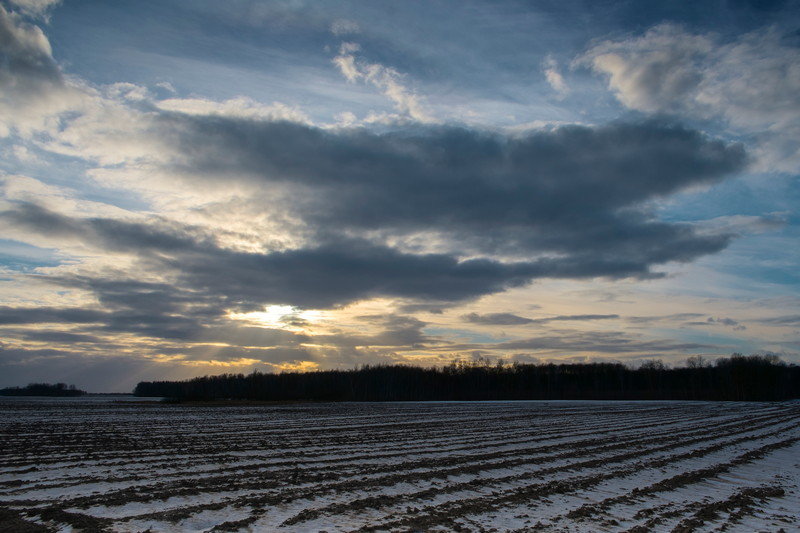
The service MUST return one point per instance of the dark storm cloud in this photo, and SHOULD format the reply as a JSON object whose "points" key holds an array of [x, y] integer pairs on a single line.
{"points": [[333, 273], [572, 190], [436, 309], [117, 292], [328, 275], [142, 321], [57, 337], [42, 315], [508, 319], [110, 234], [337, 274], [565, 204]]}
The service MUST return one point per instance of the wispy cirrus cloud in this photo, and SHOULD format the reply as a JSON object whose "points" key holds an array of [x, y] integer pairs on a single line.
{"points": [[553, 75], [386, 79]]}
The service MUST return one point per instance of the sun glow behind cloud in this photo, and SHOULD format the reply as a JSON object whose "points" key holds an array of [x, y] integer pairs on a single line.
{"points": [[284, 317]]}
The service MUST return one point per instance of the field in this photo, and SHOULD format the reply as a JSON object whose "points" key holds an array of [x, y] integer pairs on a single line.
{"points": [[95, 465]]}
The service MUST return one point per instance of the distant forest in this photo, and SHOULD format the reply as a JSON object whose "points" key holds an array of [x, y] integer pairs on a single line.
{"points": [[43, 389], [736, 378]]}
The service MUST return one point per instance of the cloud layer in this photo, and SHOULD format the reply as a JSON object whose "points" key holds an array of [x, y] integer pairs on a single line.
{"points": [[505, 210]]}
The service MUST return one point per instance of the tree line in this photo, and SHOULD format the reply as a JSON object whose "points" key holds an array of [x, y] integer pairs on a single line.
{"points": [[736, 378], [43, 389]]}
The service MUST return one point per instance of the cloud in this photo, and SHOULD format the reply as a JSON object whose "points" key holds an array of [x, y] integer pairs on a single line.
{"points": [[661, 318], [55, 337], [602, 342], [578, 317], [328, 275], [554, 77], [238, 353], [425, 215], [751, 82], [35, 8], [745, 224], [344, 27], [334, 273], [24, 189], [787, 320], [64, 114], [398, 332], [659, 71], [508, 319], [442, 213], [460, 204], [567, 344], [241, 107], [724, 321], [571, 191], [436, 308], [180, 335], [21, 315], [386, 79], [710, 321], [32, 87], [496, 319]]}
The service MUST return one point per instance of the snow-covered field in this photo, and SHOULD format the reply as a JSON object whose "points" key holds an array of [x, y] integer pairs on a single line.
{"points": [[100, 465]]}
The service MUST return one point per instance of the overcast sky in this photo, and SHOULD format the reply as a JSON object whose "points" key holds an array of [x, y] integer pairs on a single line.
{"points": [[191, 188]]}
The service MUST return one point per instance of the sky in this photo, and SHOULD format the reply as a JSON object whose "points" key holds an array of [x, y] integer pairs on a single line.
{"points": [[194, 188]]}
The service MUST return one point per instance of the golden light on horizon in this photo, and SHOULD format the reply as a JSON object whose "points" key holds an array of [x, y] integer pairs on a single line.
{"points": [[297, 366]]}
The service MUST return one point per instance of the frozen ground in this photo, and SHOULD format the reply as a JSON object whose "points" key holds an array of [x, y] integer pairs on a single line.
{"points": [[496, 466]]}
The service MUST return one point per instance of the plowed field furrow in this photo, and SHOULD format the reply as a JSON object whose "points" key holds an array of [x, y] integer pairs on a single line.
{"points": [[413, 470], [486, 481], [429, 432], [522, 435], [477, 466], [441, 448], [444, 514]]}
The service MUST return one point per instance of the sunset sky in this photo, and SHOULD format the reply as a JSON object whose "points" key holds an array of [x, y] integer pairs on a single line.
{"points": [[199, 187]]}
